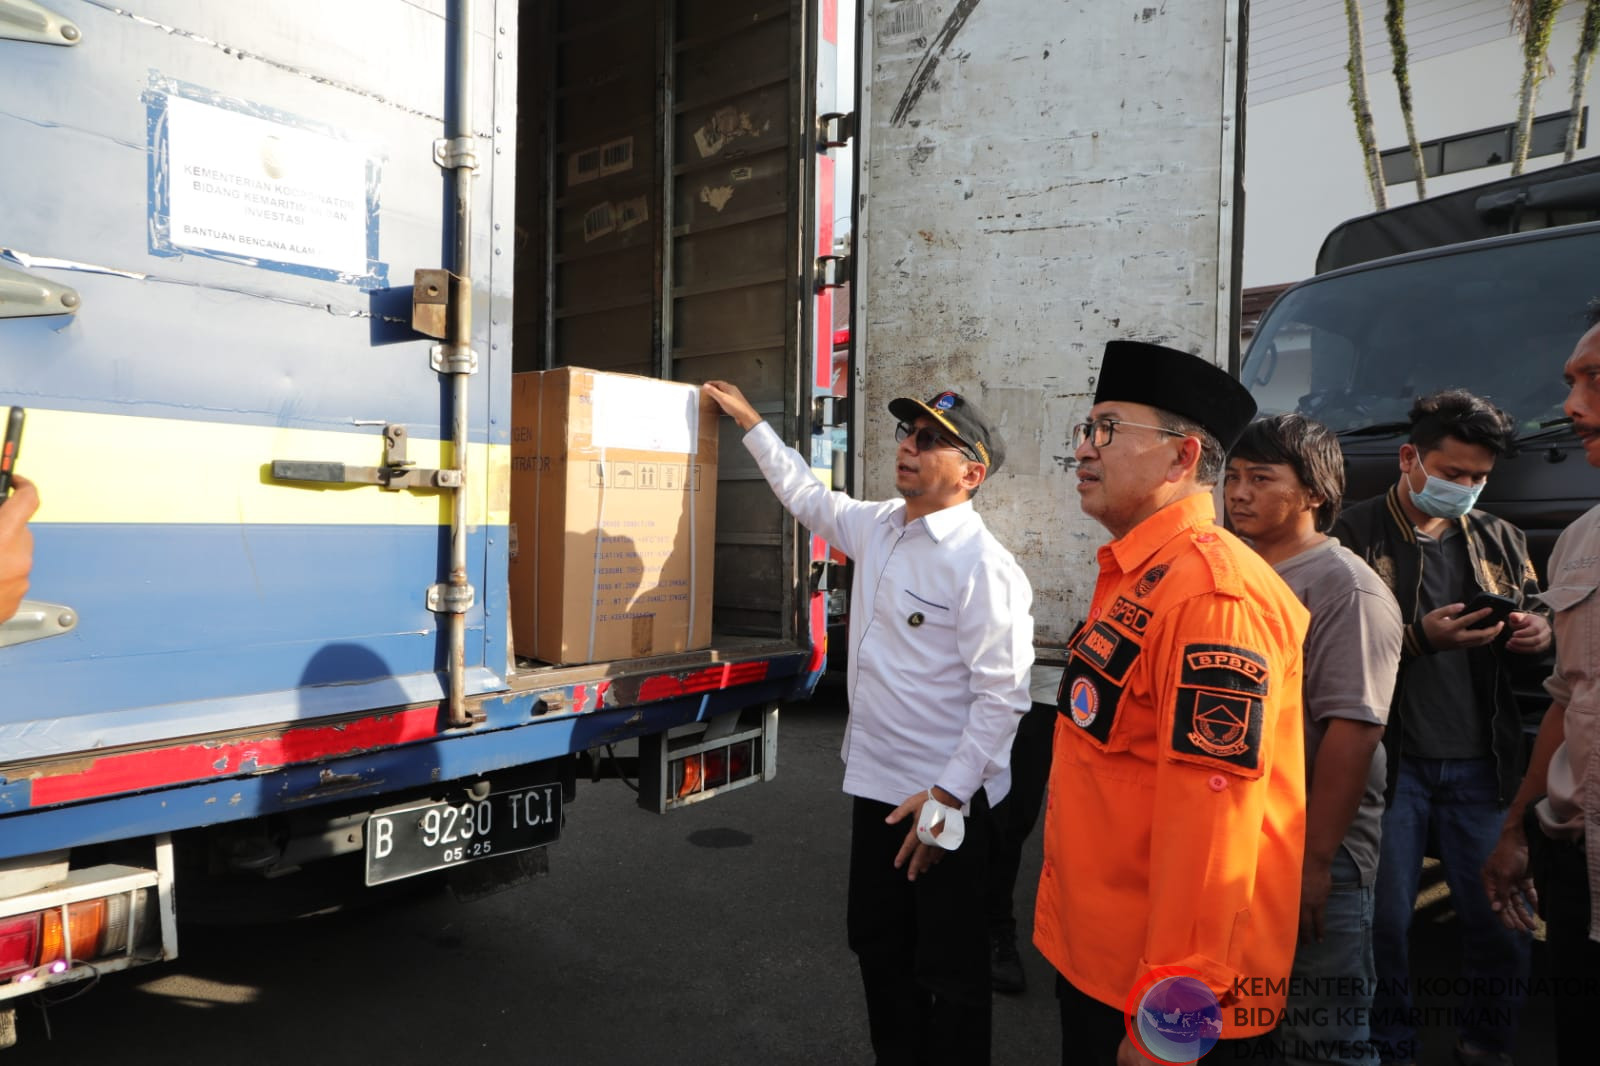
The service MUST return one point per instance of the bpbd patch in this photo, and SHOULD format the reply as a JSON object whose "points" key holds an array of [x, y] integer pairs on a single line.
{"points": [[1220, 712]]}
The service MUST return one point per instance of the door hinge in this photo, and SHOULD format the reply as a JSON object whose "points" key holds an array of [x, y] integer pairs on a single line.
{"points": [[451, 599], [832, 271], [453, 153], [824, 575], [836, 129]]}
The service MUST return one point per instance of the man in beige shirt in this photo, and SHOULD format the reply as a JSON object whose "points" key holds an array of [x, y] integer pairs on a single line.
{"points": [[1557, 809]]}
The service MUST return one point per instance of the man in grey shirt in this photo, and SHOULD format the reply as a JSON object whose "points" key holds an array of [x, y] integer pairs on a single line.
{"points": [[1282, 489]]}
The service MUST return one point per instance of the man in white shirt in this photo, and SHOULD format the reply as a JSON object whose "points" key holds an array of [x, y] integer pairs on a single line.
{"points": [[941, 644]]}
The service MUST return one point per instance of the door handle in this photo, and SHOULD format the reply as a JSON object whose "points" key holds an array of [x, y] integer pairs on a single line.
{"points": [[24, 20], [36, 620], [25, 296]]}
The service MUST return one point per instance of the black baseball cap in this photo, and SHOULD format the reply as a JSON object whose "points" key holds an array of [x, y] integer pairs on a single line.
{"points": [[962, 419]]}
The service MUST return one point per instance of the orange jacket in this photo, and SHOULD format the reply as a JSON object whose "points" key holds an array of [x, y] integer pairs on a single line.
{"points": [[1176, 819]]}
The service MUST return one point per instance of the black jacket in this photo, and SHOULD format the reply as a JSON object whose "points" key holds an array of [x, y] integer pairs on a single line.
{"points": [[1379, 531]]}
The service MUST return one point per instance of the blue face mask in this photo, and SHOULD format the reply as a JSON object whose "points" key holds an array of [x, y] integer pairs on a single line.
{"points": [[1445, 499]]}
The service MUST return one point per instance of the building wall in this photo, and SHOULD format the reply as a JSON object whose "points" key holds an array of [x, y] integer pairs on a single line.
{"points": [[1303, 172]]}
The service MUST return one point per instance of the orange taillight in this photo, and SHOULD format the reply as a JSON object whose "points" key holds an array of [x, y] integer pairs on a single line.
{"points": [[87, 921], [692, 769]]}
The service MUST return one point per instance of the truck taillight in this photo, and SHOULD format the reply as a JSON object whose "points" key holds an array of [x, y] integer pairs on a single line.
{"points": [[19, 944], [53, 940], [686, 775], [741, 760], [730, 752], [714, 768], [95, 926]]}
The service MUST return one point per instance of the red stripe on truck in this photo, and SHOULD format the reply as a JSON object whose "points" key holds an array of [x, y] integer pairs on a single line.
{"points": [[666, 686], [133, 771]]}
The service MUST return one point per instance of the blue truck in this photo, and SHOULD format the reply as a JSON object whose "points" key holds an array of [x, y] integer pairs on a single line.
{"points": [[266, 272]]}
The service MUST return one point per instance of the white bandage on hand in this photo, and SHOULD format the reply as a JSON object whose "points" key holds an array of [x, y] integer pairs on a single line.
{"points": [[939, 826]]}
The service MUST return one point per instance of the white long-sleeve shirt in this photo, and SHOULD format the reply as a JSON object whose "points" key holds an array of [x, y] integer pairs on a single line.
{"points": [[941, 637]]}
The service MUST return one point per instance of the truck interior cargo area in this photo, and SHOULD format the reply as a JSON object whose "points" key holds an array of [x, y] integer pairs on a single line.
{"points": [[660, 185]]}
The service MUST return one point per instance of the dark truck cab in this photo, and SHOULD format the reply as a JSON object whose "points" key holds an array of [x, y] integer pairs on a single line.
{"points": [[1397, 312], [1498, 316]]}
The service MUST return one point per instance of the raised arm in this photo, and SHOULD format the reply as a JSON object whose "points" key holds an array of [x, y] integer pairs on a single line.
{"points": [[833, 516]]}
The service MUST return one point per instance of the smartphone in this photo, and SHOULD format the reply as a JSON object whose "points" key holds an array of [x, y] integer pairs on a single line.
{"points": [[8, 451], [1499, 608]]}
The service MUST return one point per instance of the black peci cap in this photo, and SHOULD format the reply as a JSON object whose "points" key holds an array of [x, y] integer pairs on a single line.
{"points": [[1177, 382], [962, 419]]}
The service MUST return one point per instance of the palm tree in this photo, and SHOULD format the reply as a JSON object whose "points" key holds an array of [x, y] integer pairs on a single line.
{"points": [[1361, 105], [1535, 20], [1588, 38], [1394, 18]]}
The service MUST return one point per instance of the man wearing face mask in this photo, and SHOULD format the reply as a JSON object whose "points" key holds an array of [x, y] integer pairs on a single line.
{"points": [[1454, 739]]}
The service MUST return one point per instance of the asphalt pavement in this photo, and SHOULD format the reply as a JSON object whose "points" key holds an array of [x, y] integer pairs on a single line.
{"points": [[711, 936]]}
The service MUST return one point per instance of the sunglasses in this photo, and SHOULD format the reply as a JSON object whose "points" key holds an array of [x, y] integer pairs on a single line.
{"points": [[926, 439]]}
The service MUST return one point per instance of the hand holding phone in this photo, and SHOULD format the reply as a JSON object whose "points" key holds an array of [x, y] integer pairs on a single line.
{"points": [[1499, 607], [9, 450]]}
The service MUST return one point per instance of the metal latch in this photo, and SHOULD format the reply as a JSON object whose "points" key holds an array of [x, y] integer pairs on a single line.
{"points": [[396, 472], [36, 620], [25, 296], [430, 302], [24, 20], [431, 293], [835, 129], [832, 271]]}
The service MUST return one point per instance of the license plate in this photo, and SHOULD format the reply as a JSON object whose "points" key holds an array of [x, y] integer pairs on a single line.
{"points": [[431, 836]]}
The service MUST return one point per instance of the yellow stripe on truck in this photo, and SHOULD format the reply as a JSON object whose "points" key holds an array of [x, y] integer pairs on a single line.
{"points": [[99, 468]]}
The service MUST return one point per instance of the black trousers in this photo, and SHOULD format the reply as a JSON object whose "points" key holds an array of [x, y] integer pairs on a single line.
{"points": [[923, 945], [1560, 871], [1092, 1031], [1016, 815]]}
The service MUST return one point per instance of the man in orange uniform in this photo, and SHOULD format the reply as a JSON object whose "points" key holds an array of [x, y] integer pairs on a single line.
{"points": [[1175, 826]]}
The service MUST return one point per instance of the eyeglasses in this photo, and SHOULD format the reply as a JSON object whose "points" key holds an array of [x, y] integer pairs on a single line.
{"points": [[1102, 430], [926, 440]]}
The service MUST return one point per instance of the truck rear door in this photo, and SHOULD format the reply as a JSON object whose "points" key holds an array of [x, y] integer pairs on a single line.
{"points": [[222, 209]]}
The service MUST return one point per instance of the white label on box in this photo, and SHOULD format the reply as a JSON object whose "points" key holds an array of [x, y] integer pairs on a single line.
{"points": [[639, 414]]}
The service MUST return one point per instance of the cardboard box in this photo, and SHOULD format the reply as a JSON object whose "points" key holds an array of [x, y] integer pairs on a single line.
{"points": [[613, 515]]}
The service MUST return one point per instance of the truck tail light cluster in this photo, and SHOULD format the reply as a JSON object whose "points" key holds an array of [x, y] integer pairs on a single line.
{"points": [[680, 770], [52, 941], [714, 768], [85, 922]]}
